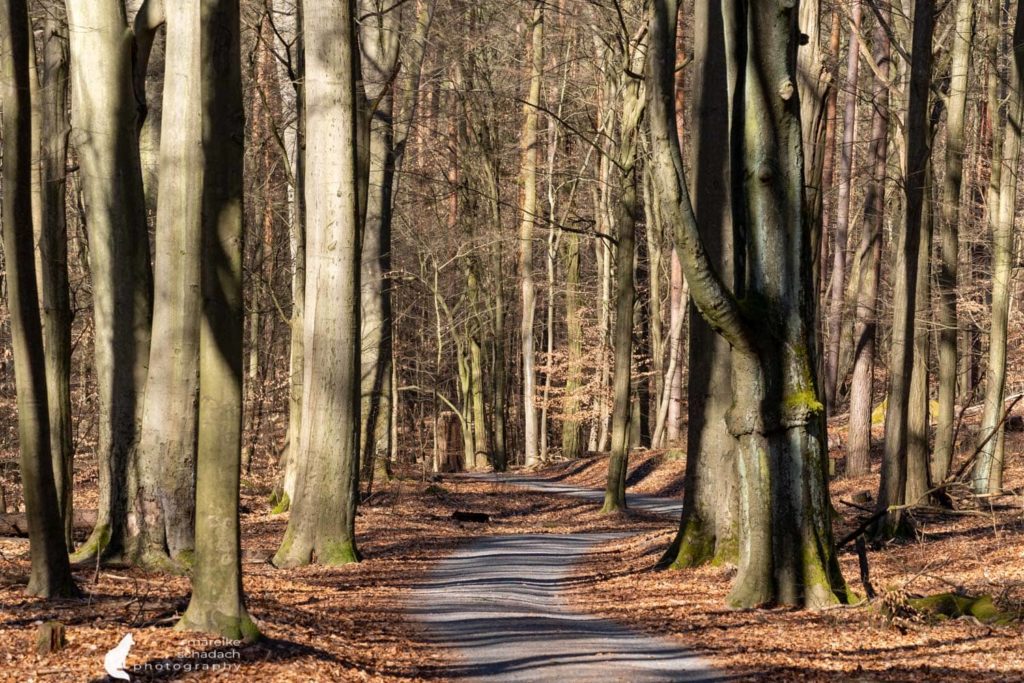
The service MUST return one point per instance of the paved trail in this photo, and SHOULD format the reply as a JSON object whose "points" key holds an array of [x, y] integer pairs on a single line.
{"points": [[496, 607]]}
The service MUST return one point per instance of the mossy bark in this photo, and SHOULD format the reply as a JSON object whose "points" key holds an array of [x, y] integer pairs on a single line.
{"points": [[786, 549]]}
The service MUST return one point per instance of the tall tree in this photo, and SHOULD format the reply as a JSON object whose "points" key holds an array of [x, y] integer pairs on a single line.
{"points": [[626, 213], [709, 522], [988, 470], [217, 604], [949, 241], [892, 489], [380, 22], [50, 573], [55, 294], [322, 522], [529, 146], [786, 551], [869, 261], [167, 456], [104, 119]]}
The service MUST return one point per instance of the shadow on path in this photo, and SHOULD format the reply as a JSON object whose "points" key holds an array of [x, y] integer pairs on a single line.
{"points": [[495, 608]]}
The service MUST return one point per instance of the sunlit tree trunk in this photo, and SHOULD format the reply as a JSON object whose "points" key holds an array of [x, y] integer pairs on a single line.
{"points": [[104, 117], [322, 522], [50, 573], [838, 284], [167, 450], [868, 270], [529, 145], [786, 551], [380, 22], [217, 605], [949, 226], [988, 470]]}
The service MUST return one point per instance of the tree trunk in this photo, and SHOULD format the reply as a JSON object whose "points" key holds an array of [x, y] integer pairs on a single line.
{"points": [[166, 503], [868, 270], [572, 426], [379, 29], [104, 132], [296, 353], [217, 605], [908, 244], [322, 522], [838, 284], [786, 551], [50, 573], [708, 526], [529, 146], [947, 319], [988, 470], [55, 294]]}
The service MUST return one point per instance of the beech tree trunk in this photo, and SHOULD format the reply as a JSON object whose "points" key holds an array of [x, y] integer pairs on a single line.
{"points": [[908, 245], [379, 30], [104, 132], [786, 551], [50, 572], [217, 605], [868, 263], [949, 226], [167, 496], [708, 528], [529, 146], [321, 527], [838, 284], [988, 470], [55, 294]]}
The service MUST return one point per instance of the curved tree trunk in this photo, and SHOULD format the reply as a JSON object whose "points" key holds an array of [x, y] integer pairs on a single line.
{"points": [[708, 527], [786, 550]]}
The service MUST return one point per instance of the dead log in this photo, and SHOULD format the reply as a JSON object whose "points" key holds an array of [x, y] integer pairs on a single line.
{"points": [[15, 524]]}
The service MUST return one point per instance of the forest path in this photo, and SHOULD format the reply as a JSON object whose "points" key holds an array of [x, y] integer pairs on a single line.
{"points": [[496, 607]]}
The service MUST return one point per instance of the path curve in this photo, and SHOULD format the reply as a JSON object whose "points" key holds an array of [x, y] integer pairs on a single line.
{"points": [[495, 608]]}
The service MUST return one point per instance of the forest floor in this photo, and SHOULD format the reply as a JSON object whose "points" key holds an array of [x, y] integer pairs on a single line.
{"points": [[351, 623]]}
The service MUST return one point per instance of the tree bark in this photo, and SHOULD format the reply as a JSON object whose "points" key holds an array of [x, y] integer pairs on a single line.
{"points": [[379, 29], [50, 572], [529, 146], [838, 283], [905, 270], [167, 496], [987, 476], [322, 522], [786, 551], [868, 270], [104, 132], [709, 521], [947, 319], [55, 294], [217, 605]]}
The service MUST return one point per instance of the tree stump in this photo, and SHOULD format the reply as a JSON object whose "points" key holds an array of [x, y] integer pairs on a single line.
{"points": [[50, 637]]}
